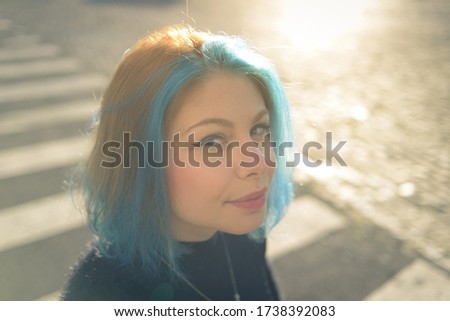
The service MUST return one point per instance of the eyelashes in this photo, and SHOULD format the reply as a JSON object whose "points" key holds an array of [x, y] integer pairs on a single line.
{"points": [[258, 132], [209, 141]]}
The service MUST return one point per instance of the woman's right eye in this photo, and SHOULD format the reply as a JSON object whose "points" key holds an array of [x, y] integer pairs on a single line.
{"points": [[210, 141]]}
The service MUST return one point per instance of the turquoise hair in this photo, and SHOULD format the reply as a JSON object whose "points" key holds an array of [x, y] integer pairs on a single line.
{"points": [[134, 227]]}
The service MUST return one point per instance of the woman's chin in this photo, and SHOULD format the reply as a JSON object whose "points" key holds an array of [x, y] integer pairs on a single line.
{"points": [[244, 228]]}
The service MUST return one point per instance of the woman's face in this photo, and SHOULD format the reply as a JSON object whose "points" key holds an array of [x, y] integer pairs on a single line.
{"points": [[214, 190]]}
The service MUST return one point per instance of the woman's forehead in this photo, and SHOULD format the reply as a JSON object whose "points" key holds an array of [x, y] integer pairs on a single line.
{"points": [[222, 95]]}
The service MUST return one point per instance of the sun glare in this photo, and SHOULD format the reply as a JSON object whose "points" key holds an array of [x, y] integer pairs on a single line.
{"points": [[319, 24]]}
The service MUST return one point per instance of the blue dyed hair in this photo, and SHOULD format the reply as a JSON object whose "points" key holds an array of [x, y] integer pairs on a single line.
{"points": [[128, 208]]}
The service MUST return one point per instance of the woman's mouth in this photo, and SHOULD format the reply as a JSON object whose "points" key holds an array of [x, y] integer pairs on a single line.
{"points": [[252, 201]]}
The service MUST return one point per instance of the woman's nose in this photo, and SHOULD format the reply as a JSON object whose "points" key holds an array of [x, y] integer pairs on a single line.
{"points": [[250, 159]]}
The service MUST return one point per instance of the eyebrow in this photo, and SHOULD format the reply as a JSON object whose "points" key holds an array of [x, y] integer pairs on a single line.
{"points": [[225, 122]]}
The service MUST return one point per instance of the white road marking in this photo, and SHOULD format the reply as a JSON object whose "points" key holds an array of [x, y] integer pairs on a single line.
{"points": [[50, 297], [21, 41], [34, 52], [416, 282], [18, 121], [307, 220], [5, 24], [36, 220], [415, 225], [38, 68], [38, 157], [60, 86]]}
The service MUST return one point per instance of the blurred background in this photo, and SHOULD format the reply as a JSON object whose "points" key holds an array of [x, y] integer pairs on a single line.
{"points": [[374, 73]]}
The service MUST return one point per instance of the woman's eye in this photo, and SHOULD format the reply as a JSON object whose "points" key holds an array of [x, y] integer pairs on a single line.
{"points": [[210, 141], [260, 130]]}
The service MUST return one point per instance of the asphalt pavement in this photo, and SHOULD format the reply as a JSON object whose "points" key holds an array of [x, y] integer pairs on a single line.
{"points": [[377, 229]]}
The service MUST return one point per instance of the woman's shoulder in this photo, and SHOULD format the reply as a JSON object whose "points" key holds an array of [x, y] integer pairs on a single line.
{"points": [[96, 277]]}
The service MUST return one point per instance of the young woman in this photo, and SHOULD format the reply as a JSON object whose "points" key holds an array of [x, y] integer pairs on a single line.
{"points": [[181, 187]]}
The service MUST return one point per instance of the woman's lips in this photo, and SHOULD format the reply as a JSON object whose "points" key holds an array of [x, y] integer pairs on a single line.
{"points": [[252, 201]]}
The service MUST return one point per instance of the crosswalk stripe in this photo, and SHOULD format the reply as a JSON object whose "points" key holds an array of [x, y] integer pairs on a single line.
{"points": [[401, 220], [20, 41], [27, 120], [306, 220], [5, 24], [29, 222], [38, 68], [34, 52], [418, 281], [41, 89], [38, 157], [50, 297]]}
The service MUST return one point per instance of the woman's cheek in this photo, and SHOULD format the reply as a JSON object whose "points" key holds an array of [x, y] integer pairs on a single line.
{"points": [[192, 183]]}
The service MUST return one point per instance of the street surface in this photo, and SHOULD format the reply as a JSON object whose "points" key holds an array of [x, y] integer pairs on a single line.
{"points": [[374, 73]]}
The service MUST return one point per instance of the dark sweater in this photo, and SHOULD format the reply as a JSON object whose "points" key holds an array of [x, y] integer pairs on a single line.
{"points": [[98, 278]]}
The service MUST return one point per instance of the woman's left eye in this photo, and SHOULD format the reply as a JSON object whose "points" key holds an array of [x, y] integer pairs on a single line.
{"points": [[260, 130]]}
